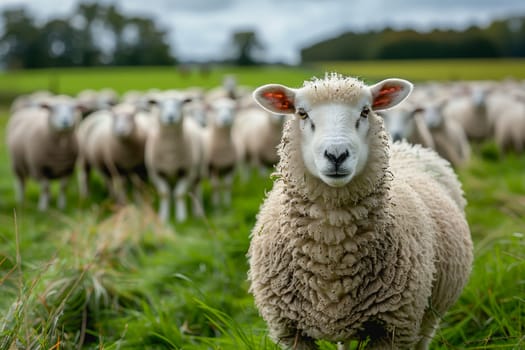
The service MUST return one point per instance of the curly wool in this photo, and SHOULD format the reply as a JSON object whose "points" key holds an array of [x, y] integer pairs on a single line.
{"points": [[361, 261]]}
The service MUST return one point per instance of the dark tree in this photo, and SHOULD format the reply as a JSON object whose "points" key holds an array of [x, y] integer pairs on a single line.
{"points": [[245, 45]]}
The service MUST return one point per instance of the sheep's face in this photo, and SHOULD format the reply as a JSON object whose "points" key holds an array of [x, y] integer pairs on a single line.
{"points": [[479, 96], [433, 116], [170, 111], [62, 116], [333, 123], [399, 123], [123, 124], [223, 113]]}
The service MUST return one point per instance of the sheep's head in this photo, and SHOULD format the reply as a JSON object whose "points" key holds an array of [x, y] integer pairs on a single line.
{"points": [[222, 112], [433, 114], [64, 113], [400, 122], [169, 107], [123, 120], [333, 120]]}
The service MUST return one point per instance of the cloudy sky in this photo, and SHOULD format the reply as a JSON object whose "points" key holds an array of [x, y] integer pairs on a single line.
{"points": [[201, 29]]}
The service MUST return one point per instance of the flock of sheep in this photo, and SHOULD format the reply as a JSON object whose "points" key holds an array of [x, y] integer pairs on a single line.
{"points": [[174, 139], [144, 134], [177, 138]]}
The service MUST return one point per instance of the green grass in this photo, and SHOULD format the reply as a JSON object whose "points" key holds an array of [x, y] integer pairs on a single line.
{"points": [[119, 280]]}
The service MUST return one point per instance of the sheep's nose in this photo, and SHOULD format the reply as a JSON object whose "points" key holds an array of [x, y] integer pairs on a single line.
{"points": [[336, 159]]}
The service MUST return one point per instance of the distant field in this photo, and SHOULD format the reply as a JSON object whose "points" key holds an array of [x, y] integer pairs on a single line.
{"points": [[423, 70], [117, 279], [70, 81]]}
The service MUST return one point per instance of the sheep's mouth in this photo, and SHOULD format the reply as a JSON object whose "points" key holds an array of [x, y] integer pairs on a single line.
{"points": [[337, 175]]}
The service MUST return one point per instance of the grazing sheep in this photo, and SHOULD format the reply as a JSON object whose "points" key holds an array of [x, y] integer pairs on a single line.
{"points": [[42, 145], [450, 140], [221, 154], [112, 141], [256, 134], [358, 239], [175, 156]]}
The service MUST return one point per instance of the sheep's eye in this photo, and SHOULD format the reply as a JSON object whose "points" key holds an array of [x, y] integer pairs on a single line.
{"points": [[365, 112], [302, 113]]}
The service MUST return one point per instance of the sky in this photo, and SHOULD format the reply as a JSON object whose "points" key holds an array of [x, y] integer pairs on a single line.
{"points": [[200, 30]]}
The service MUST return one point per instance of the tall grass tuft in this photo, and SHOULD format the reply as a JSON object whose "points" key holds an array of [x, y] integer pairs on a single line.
{"points": [[62, 306]]}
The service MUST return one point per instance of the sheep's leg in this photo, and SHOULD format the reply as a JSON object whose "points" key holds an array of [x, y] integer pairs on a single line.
{"points": [[19, 189], [227, 182], [215, 188], [198, 207], [427, 330], [181, 189], [61, 200], [119, 190], [43, 201], [298, 342], [83, 178], [163, 189], [244, 172]]}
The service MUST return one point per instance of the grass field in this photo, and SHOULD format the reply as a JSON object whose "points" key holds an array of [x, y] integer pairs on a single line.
{"points": [[117, 279]]}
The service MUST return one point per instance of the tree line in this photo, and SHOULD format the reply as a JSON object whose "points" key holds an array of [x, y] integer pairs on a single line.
{"points": [[75, 40], [502, 38]]}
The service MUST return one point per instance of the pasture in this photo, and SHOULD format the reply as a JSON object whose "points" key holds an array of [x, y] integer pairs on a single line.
{"points": [[101, 277]]}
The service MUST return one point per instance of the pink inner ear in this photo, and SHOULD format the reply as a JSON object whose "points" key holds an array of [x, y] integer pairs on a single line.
{"points": [[385, 95], [278, 99]]}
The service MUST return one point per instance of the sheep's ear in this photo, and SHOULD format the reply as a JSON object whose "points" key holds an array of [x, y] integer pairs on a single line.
{"points": [[275, 98], [389, 92], [417, 110], [44, 105]]}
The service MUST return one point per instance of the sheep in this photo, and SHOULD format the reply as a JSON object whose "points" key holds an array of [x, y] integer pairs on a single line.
{"points": [[221, 154], [507, 112], [450, 140], [405, 123], [113, 142], [471, 112], [175, 156], [359, 238], [256, 134], [43, 146]]}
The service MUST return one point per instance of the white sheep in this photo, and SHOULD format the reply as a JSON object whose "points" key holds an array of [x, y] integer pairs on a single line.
{"points": [[507, 113], [450, 140], [358, 239], [42, 145], [256, 134], [175, 156], [471, 112], [404, 122], [221, 154], [112, 141]]}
